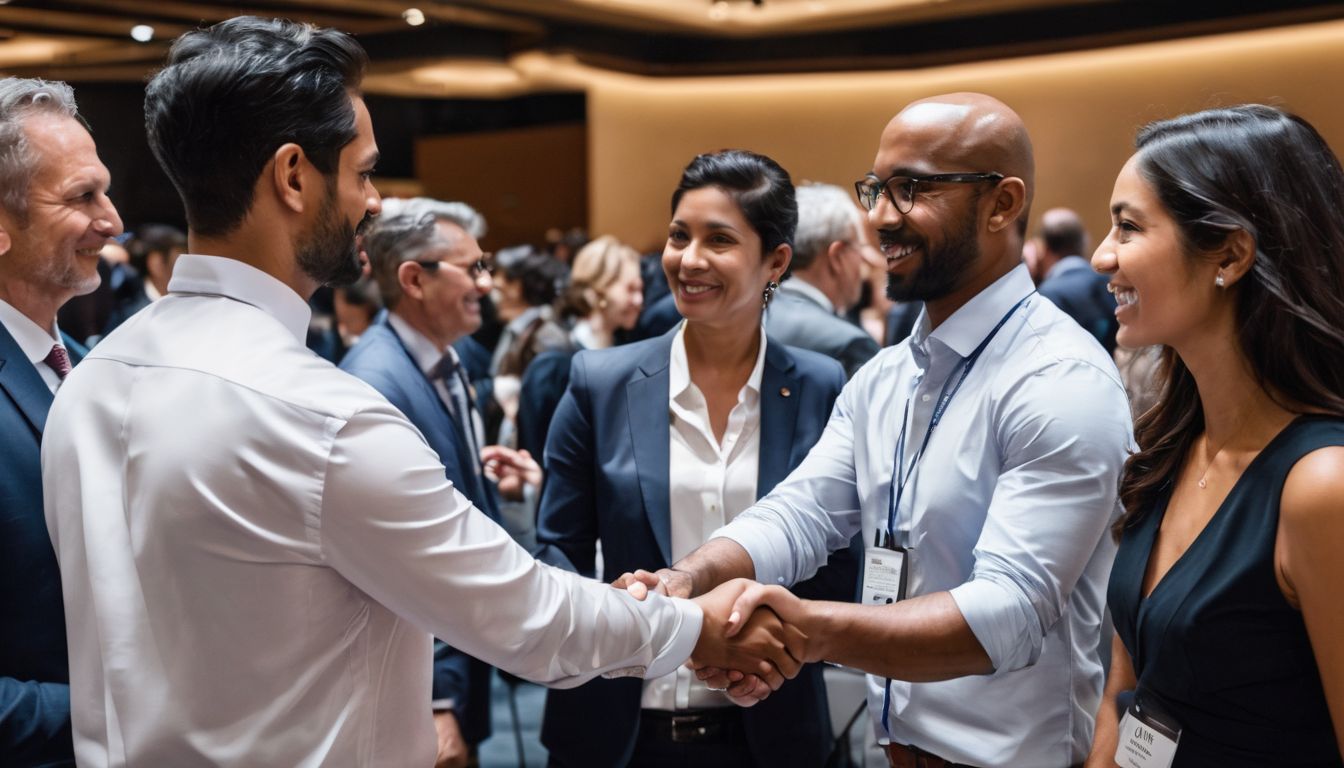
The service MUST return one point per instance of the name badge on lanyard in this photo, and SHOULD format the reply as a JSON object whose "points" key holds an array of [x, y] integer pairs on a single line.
{"points": [[1148, 738], [885, 569]]}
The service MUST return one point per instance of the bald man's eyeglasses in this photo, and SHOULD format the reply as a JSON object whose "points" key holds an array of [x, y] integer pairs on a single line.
{"points": [[901, 190]]}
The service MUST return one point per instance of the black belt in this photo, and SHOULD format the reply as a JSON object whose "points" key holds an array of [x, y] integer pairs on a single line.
{"points": [[699, 726]]}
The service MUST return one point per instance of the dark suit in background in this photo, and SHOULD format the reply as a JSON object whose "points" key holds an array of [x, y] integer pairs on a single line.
{"points": [[34, 670], [381, 359], [795, 319], [607, 476], [1074, 287]]}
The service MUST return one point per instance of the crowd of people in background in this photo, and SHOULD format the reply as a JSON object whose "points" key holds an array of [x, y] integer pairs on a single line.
{"points": [[901, 391]]}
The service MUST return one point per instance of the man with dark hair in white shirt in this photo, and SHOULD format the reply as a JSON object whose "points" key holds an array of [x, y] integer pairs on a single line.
{"points": [[254, 546], [979, 460]]}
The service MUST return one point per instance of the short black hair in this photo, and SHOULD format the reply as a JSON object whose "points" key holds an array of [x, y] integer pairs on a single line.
{"points": [[760, 187], [232, 94]]}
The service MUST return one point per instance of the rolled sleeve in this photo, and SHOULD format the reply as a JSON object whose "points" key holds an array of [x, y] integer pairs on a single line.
{"points": [[1052, 506]]}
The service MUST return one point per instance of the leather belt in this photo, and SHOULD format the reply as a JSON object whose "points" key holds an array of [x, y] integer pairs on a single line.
{"points": [[699, 726], [906, 756]]}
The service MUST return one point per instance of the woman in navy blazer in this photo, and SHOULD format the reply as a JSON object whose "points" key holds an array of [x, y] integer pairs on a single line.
{"points": [[608, 468]]}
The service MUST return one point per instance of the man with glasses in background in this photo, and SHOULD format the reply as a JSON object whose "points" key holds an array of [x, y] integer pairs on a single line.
{"points": [[825, 279], [979, 460], [431, 274]]}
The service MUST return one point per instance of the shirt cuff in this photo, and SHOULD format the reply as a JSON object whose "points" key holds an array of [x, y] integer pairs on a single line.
{"points": [[1006, 627], [443, 705], [682, 643], [771, 555]]}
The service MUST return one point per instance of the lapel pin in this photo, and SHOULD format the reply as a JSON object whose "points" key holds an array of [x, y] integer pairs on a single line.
{"points": [[784, 391]]}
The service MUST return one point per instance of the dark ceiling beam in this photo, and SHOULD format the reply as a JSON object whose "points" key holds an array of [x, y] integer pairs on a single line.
{"points": [[927, 44], [76, 24], [151, 11], [481, 18]]}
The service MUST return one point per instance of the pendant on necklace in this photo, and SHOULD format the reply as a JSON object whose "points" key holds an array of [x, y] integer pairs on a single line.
{"points": [[1203, 484]]}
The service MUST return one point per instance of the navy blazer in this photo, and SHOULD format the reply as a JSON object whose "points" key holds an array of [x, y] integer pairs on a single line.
{"points": [[1081, 293], [382, 359], [34, 669], [607, 477]]}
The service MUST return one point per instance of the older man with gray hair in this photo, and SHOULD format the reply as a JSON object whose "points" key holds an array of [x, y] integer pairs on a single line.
{"points": [[55, 217], [825, 280]]}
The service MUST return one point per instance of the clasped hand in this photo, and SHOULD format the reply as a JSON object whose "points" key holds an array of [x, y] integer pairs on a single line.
{"points": [[744, 648]]}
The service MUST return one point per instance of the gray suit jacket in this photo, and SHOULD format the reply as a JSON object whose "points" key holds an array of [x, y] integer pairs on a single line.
{"points": [[798, 321]]}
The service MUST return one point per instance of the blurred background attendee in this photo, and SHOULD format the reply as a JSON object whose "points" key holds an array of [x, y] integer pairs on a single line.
{"points": [[527, 285], [1065, 277], [603, 298], [824, 281], [355, 307], [151, 251], [658, 443]]}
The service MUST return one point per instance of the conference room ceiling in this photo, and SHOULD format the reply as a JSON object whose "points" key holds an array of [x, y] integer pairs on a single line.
{"points": [[484, 48]]}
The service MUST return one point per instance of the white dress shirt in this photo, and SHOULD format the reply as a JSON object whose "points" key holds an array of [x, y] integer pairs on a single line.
{"points": [[256, 546], [34, 342], [1009, 510], [710, 483]]}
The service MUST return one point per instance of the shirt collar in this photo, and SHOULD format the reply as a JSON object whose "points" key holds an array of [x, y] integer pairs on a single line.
{"points": [[231, 278], [423, 351], [679, 369], [34, 342], [1067, 264], [798, 285], [968, 326]]}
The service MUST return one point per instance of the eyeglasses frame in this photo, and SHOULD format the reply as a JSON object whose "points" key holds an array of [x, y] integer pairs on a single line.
{"points": [[914, 182]]}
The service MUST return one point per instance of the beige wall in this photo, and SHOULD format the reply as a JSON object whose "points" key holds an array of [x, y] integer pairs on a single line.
{"points": [[524, 181], [1081, 108]]}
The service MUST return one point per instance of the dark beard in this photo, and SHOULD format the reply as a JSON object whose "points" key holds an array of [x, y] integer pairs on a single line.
{"points": [[330, 255], [940, 273]]}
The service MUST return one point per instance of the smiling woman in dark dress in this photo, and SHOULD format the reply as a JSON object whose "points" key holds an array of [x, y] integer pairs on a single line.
{"points": [[1227, 248]]}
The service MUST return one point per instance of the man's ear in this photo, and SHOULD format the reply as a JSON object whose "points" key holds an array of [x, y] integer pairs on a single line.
{"points": [[290, 175], [835, 256], [5, 242], [410, 277], [1010, 197]]}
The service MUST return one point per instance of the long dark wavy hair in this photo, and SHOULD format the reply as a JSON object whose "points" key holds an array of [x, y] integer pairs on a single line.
{"points": [[1267, 172]]}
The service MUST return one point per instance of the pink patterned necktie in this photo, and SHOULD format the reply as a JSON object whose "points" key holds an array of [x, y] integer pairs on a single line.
{"points": [[58, 360]]}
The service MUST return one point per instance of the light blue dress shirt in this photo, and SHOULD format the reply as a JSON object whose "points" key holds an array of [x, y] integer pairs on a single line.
{"points": [[1008, 510]]}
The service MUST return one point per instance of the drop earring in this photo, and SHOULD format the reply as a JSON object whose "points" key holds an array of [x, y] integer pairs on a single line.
{"points": [[768, 294]]}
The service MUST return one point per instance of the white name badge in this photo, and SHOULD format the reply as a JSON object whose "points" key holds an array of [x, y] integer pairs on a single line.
{"points": [[1145, 742], [883, 575]]}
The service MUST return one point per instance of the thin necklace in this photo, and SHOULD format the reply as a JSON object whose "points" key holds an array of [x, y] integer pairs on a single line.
{"points": [[1203, 477]]}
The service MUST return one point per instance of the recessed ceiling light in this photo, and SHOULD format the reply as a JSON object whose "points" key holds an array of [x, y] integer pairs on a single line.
{"points": [[142, 33], [413, 16]]}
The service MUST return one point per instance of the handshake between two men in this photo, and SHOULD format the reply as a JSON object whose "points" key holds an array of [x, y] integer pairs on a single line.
{"points": [[748, 646]]}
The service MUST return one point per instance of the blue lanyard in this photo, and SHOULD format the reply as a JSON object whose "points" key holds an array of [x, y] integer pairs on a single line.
{"points": [[899, 479]]}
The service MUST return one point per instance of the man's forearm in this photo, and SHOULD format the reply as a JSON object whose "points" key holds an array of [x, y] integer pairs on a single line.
{"points": [[713, 563], [923, 639]]}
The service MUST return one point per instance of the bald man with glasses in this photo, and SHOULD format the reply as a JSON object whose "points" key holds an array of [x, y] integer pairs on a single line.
{"points": [[978, 460]]}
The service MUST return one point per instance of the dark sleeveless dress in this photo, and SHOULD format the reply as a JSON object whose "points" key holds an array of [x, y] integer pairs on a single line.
{"points": [[1216, 645]]}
